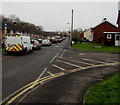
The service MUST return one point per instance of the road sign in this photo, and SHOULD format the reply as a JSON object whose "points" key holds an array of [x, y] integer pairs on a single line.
{"points": [[5, 23]]}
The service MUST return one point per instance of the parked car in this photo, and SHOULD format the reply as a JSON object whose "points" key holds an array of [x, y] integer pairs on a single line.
{"points": [[36, 44], [46, 42], [54, 41], [39, 40]]}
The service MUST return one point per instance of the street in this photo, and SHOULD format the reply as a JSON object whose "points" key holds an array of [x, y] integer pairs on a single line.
{"points": [[20, 70]]}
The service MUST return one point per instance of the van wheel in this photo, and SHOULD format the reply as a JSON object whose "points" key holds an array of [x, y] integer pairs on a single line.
{"points": [[31, 51], [7, 53], [25, 51]]}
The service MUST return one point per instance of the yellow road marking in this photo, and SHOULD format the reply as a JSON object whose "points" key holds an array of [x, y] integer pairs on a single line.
{"points": [[36, 82], [50, 73], [32, 86]]}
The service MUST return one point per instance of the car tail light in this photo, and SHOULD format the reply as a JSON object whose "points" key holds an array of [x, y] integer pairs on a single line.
{"points": [[35, 43]]}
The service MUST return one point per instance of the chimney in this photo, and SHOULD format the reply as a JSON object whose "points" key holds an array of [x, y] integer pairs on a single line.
{"points": [[105, 19]]}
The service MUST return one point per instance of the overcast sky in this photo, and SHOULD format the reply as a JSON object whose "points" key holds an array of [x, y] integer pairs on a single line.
{"points": [[55, 15]]}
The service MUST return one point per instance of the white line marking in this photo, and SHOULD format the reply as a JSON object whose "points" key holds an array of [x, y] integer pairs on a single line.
{"points": [[27, 94], [81, 62], [62, 53], [42, 73], [81, 54], [58, 67], [111, 61], [57, 54], [76, 61], [56, 46], [93, 61], [50, 73], [68, 63], [54, 58]]}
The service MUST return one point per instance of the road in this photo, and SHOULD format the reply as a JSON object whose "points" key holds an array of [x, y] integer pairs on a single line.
{"points": [[83, 69], [68, 74], [19, 70]]}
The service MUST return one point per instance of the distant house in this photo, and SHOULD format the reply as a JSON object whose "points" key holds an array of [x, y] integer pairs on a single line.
{"points": [[98, 31], [88, 34], [82, 34]]}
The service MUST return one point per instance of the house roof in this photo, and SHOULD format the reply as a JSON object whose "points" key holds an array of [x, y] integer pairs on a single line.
{"points": [[104, 22]]}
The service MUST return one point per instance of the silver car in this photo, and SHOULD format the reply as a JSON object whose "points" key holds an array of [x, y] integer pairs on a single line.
{"points": [[46, 42]]}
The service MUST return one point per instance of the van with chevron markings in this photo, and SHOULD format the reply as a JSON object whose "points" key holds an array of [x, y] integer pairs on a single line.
{"points": [[18, 43]]}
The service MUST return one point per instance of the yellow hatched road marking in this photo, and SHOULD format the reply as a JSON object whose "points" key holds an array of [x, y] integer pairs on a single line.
{"points": [[41, 80]]}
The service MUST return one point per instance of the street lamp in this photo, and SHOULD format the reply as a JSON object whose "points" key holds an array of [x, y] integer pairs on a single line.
{"points": [[68, 29], [5, 27]]}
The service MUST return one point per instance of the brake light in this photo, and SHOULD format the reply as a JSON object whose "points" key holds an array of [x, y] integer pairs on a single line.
{"points": [[35, 44]]}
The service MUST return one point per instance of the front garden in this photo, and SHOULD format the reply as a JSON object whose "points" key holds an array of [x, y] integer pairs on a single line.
{"points": [[96, 47]]}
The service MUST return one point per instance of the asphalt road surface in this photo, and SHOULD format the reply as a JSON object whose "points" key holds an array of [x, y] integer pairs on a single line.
{"points": [[71, 88], [19, 70], [71, 73]]}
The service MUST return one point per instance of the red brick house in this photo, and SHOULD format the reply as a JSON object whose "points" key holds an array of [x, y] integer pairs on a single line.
{"points": [[111, 38], [98, 31]]}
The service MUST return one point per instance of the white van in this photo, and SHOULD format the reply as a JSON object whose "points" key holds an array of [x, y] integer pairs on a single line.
{"points": [[18, 43]]}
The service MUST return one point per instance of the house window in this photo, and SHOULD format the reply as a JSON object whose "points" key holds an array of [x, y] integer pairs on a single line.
{"points": [[117, 37], [109, 36]]}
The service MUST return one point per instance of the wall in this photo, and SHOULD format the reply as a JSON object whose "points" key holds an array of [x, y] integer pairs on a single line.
{"points": [[88, 34]]}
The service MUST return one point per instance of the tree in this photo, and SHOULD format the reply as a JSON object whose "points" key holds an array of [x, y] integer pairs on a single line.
{"points": [[76, 35], [14, 18]]}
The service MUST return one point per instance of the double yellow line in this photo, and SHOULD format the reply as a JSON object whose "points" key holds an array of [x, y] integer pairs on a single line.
{"points": [[8, 100]]}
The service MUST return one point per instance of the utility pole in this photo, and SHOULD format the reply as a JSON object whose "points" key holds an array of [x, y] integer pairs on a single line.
{"points": [[71, 29], [5, 27]]}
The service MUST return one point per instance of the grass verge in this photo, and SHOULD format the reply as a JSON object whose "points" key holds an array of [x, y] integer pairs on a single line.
{"points": [[105, 93], [96, 47]]}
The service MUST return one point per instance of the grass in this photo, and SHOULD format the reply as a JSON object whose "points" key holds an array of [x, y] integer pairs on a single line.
{"points": [[106, 92], [95, 47], [1, 49]]}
